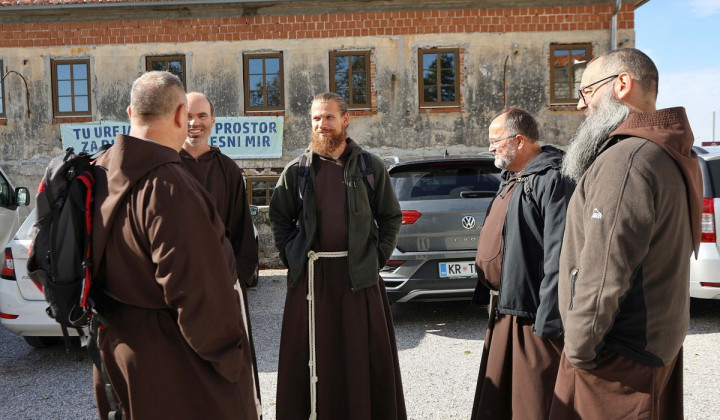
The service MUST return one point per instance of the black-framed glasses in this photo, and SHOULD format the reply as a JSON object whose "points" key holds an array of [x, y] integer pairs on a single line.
{"points": [[495, 142], [584, 90]]}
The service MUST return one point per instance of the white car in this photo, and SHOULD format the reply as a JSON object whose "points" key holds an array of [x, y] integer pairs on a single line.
{"points": [[22, 303], [705, 270], [12, 207]]}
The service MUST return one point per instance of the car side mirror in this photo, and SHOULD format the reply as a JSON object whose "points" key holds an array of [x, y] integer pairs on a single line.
{"points": [[22, 196]]}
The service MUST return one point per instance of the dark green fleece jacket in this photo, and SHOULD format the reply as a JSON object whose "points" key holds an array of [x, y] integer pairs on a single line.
{"points": [[371, 240]]}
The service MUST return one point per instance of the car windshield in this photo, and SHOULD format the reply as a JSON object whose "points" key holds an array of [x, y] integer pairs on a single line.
{"points": [[25, 231], [443, 180]]}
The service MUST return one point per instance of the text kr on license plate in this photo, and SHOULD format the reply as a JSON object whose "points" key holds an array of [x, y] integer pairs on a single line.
{"points": [[457, 269]]}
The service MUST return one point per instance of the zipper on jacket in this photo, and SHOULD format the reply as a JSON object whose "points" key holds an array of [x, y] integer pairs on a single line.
{"points": [[573, 278]]}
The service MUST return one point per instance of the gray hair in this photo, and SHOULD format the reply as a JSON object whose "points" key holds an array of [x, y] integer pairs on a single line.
{"points": [[636, 63], [156, 94], [519, 121]]}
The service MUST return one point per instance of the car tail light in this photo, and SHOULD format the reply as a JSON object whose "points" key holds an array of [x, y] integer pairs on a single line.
{"points": [[8, 267], [410, 216], [391, 265], [708, 221], [705, 284], [3, 315]]}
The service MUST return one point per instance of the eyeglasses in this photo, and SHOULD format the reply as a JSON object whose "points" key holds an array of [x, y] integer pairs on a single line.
{"points": [[583, 91], [495, 142]]}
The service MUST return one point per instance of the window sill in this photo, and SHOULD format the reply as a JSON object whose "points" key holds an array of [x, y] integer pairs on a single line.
{"points": [[440, 110], [68, 120], [266, 113], [361, 112], [564, 107]]}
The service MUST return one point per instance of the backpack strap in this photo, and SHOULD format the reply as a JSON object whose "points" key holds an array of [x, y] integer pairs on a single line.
{"points": [[302, 176], [528, 188], [116, 412], [528, 182], [369, 177], [366, 173]]}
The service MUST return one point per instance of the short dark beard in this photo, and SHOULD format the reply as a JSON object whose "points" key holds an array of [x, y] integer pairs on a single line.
{"points": [[594, 131], [325, 147]]}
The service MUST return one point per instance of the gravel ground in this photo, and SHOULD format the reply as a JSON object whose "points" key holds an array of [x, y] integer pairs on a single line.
{"points": [[439, 343]]}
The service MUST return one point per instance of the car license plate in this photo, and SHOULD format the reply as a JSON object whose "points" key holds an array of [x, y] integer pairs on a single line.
{"points": [[457, 269]]}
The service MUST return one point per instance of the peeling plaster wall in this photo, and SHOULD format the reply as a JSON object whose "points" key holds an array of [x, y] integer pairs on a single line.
{"points": [[398, 127]]}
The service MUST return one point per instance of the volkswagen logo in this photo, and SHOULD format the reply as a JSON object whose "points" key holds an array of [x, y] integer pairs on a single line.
{"points": [[468, 222]]}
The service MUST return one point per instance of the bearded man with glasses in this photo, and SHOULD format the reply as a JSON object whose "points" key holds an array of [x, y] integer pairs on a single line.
{"points": [[517, 259], [631, 226]]}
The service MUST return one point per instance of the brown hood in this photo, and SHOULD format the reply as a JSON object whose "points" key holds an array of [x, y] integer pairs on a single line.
{"points": [[669, 128], [117, 170], [209, 155]]}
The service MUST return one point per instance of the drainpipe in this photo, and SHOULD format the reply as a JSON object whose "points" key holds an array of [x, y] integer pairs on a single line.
{"points": [[613, 28]]}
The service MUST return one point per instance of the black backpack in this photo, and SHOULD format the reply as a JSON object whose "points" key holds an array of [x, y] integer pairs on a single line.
{"points": [[61, 259]]}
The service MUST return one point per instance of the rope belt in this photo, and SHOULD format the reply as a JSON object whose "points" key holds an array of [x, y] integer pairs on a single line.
{"points": [[314, 256]]}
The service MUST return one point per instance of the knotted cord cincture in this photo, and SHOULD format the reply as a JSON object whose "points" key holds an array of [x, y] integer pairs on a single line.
{"points": [[314, 256]]}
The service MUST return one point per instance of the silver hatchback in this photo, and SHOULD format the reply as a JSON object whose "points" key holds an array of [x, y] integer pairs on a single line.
{"points": [[444, 201]]}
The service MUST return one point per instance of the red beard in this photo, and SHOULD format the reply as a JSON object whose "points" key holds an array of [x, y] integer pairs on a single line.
{"points": [[327, 145]]}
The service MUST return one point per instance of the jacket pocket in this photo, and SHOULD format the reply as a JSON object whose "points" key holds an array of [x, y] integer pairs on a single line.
{"points": [[573, 279]]}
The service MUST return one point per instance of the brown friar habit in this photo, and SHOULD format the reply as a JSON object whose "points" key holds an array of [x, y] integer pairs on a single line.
{"points": [[357, 360], [623, 289], [223, 179], [175, 346], [518, 368]]}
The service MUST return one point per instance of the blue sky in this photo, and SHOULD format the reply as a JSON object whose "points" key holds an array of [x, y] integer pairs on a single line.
{"points": [[683, 39]]}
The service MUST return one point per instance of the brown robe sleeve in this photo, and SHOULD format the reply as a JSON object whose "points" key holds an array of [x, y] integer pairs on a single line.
{"points": [[195, 268]]}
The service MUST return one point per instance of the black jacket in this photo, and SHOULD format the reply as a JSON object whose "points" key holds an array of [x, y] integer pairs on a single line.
{"points": [[533, 233]]}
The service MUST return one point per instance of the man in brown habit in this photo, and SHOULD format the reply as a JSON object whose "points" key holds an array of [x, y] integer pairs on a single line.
{"points": [[175, 345], [224, 180], [517, 258], [631, 226], [334, 231]]}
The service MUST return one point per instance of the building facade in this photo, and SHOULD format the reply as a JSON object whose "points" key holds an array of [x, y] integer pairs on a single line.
{"points": [[421, 77]]}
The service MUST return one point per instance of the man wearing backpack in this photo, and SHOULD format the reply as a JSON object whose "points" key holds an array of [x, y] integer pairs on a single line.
{"points": [[334, 240], [175, 345], [517, 259]]}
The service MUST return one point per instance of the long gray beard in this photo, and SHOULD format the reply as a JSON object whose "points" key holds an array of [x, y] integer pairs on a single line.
{"points": [[327, 147], [583, 149]]}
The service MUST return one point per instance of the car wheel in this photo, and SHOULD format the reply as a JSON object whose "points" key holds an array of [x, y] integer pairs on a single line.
{"points": [[41, 342], [256, 277]]}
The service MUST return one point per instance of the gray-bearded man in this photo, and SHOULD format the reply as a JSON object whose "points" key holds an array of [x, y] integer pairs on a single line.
{"points": [[631, 226]]}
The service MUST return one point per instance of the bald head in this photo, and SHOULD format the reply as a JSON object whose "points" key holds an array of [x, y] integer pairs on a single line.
{"points": [[155, 95]]}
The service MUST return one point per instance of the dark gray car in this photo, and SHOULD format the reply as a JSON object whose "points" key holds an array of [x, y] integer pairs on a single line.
{"points": [[444, 201]]}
